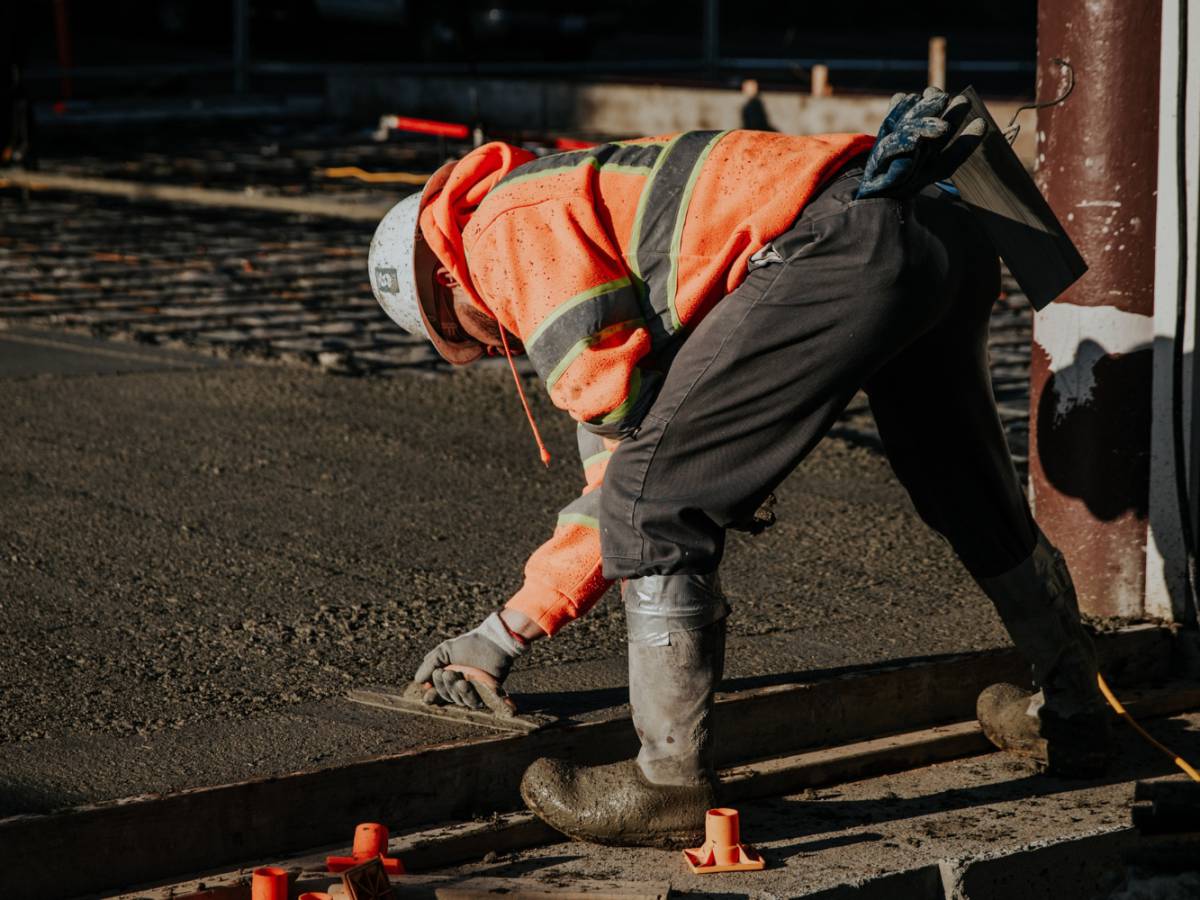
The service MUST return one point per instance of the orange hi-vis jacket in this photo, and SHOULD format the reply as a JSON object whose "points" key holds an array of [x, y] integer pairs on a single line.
{"points": [[600, 260]]}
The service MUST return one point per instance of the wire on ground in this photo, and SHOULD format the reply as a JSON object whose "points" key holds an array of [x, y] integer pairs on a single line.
{"points": [[1120, 710]]}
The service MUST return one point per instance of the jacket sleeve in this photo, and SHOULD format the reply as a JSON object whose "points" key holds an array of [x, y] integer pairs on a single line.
{"points": [[563, 577], [552, 276]]}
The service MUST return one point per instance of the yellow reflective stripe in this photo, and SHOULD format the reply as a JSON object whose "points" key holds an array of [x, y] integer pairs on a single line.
{"points": [[581, 297], [577, 519], [583, 343], [595, 458], [558, 170], [677, 236], [635, 388]]}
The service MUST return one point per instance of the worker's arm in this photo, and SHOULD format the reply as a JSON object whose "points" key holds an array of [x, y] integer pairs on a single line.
{"points": [[562, 581], [563, 577]]}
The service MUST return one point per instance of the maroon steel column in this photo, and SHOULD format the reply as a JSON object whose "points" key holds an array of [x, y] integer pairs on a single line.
{"points": [[1091, 371]]}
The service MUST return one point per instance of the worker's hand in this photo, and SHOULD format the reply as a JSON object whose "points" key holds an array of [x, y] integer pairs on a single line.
{"points": [[490, 649], [920, 143]]}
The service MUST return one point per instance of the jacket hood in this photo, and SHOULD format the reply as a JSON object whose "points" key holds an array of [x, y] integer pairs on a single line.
{"points": [[448, 213]]}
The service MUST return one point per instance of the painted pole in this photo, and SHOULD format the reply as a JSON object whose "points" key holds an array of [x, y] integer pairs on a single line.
{"points": [[1090, 405]]}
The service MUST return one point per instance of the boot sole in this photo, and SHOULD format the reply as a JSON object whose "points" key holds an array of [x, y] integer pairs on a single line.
{"points": [[669, 840]]}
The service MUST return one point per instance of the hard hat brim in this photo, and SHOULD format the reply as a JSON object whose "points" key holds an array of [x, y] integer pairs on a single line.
{"points": [[445, 332]]}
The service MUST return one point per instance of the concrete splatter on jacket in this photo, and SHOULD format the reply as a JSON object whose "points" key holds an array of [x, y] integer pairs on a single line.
{"points": [[600, 261]]}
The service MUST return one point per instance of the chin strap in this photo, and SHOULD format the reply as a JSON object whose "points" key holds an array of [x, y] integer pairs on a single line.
{"points": [[537, 436]]}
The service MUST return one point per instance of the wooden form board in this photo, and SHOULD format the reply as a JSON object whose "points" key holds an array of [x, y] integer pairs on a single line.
{"points": [[172, 193], [205, 828]]}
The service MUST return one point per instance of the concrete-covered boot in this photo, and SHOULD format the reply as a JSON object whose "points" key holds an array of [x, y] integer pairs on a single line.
{"points": [[659, 799], [1065, 727]]}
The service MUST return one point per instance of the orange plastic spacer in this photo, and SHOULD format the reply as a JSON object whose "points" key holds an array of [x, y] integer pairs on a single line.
{"points": [[723, 850], [370, 840], [269, 883]]}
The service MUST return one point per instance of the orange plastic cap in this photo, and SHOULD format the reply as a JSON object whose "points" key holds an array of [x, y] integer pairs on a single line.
{"points": [[723, 850], [269, 883], [314, 895], [370, 841]]}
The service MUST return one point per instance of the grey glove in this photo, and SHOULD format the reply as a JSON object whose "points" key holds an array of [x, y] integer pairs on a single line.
{"points": [[490, 647], [920, 143]]}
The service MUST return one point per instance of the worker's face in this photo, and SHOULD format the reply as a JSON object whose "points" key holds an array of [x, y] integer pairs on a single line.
{"points": [[474, 321]]}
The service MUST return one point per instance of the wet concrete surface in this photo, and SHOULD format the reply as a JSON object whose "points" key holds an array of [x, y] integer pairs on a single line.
{"points": [[196, 561]]}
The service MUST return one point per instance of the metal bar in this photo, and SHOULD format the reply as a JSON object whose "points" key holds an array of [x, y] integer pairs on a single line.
{"points": [[267, 67]]}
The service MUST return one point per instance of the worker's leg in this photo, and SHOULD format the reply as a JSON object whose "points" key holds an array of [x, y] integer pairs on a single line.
{"points": [[934, 407]]}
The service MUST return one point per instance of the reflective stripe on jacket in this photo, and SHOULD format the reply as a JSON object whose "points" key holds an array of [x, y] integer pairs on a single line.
{"points": [[599, 260]]}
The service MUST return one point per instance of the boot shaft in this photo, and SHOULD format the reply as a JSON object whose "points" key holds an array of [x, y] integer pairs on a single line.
{"points": [[674, 671], [1036, 601]]}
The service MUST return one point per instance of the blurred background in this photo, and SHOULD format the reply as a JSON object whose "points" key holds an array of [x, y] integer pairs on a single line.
{"points": [[191, 59]]}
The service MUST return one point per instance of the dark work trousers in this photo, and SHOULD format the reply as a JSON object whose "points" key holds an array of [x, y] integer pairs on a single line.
{"points": [[889, 296]]}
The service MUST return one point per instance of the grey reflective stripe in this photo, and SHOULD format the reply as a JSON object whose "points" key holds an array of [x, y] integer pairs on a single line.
{"points": [[634, 159], [583, 510], [656, 605], [576, 323], [658, 225], [589, 444]]}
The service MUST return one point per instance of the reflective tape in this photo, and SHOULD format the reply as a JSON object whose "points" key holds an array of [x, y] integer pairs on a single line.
{"points": [[628, 159], [583, 510], [580, 321], [656, 605], [658, 226]]}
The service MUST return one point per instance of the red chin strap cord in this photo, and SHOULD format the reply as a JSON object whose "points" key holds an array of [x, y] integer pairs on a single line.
{"points": [[537, 435]]}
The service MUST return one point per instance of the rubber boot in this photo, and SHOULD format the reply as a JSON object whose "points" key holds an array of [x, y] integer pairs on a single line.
{"points": [[660, 799], [1065, 727]]}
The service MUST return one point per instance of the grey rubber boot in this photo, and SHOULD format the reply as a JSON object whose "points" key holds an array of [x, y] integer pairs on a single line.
{"points": [[659, 799], [1065, 727]]}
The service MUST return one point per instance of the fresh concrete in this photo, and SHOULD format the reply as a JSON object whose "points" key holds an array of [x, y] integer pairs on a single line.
{"points": [[195, 563]]}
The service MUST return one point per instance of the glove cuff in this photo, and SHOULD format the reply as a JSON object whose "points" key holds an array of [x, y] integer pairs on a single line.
{"points": [[493, 629]]}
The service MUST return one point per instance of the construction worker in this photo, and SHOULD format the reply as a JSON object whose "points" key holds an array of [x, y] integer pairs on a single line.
{"points": [[705, 305]]}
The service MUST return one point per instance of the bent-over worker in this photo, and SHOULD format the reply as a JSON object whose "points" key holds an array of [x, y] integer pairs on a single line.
{"points": [[705, 305]]}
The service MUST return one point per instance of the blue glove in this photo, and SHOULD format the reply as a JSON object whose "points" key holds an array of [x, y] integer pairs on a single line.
{"points": [[914, 147]]}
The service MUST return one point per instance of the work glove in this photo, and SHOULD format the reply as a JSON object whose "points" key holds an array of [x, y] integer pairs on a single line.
{"points": [[917, 144], [491, 648]]}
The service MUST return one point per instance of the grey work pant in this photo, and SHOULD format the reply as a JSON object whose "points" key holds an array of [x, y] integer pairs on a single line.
{"points": [[893, 297]]}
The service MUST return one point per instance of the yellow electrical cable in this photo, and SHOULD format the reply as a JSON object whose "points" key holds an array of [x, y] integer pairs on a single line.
{"points": [[1116, 705], [375, 177]]}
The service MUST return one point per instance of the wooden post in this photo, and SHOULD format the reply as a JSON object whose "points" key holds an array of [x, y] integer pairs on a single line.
{"points": [[820, 81], [937, 62]]}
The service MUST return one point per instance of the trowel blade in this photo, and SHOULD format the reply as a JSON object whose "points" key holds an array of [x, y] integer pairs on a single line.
{"points": [[409, 699]]}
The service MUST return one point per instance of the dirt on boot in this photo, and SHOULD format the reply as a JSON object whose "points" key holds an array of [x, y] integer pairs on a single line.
{"points": [[1079, 746], [615, 804]]}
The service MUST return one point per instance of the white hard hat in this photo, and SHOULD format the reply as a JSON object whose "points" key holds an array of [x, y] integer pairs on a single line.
{"points": [[401, 267]]}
